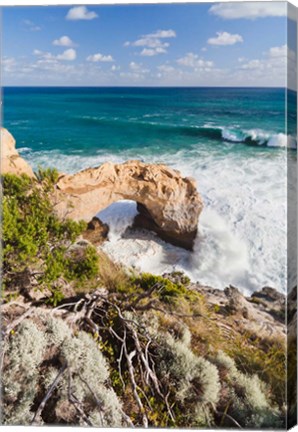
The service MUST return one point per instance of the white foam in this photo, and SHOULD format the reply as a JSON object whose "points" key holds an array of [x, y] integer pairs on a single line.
{"points": [[259, 136], [24, 149], [119, 216], [242, 229]]}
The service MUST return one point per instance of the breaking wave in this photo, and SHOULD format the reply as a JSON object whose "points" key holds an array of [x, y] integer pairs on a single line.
{"points": [[254, 137]]}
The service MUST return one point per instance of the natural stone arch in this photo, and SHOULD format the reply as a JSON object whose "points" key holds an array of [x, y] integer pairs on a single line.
{"points": [[167, 203]]}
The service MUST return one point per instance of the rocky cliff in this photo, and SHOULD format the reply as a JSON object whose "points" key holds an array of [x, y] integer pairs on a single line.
{"points": [[168, 203], [11, 161]]}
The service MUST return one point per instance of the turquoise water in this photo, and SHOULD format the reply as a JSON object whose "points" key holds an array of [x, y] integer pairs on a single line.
{"points": [[149, 120], [231, 140]]}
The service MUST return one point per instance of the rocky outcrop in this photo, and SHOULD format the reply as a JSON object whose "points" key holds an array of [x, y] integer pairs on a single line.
{"points": [[168, 203], [262, 314], [11, 161], [96, 232]]}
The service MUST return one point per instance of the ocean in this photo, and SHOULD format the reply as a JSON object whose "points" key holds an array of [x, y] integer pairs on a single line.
{"points": [[231, 140]]}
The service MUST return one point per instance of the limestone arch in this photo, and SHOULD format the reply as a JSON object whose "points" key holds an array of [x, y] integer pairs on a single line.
{"points": [[168, 203]]}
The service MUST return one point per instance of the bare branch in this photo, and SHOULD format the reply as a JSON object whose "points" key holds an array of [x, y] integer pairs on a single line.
{"points": [[48, 394]]}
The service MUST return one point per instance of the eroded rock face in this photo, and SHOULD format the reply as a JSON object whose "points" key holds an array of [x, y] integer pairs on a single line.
{"points": [[11, 161], [168, 203], [96, 232]]}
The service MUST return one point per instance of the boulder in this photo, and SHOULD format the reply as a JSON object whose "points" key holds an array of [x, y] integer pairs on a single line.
{"points": [[96, 232], [168, 203], [11, 161]]}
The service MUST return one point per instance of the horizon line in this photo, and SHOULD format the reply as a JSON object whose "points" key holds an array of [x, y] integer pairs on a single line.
{"points": [[140, 86]]}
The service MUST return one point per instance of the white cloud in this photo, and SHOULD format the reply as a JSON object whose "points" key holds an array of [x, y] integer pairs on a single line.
{"points": [[137, 72], [31, 26], [166, 68], [161, 34], [63, 41], [149, 42], [149, 52], [44, 56], [281, 51], [68, 55], [249, 10], [47, 57], [99, 58], [138, 67], [115, 68], [80, 13], [192, 60], [274, 58], [225, 38], [8, 64], [275, 67], [152, 44]]}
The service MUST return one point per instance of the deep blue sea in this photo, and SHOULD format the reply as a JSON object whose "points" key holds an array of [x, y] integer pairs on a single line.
{"points": [[231, 140]]}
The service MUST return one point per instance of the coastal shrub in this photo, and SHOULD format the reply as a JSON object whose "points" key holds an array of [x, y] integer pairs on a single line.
{"points": [[20, 376], [167, 290], [35, 240], [81, 263], [48, 176], [36, 354], [192, 380], [250, 402], [265, 357]]}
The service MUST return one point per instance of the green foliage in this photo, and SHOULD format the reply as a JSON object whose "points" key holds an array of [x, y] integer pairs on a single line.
{"points": [[167, 290], [47, 176], [82, 264], [56, 297], [35, 241]]}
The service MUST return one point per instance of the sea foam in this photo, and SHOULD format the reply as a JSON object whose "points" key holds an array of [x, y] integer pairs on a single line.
{"points": [[242, 228]]}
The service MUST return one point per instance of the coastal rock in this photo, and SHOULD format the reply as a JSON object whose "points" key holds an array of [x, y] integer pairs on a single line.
{"points": [[261, 315], [11, 161], [96, 232], [169, 204]]}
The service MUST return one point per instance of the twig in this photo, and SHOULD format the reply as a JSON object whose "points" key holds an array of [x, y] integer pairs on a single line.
{"points": [[49, 392], [230, 418], [98, 402], [74, 401]]}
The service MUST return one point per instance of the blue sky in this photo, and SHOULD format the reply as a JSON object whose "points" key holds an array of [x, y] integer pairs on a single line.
{"points": [[213, 44]]}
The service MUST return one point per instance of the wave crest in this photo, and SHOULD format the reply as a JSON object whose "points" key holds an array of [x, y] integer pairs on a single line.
{"points": [[252, 136]]}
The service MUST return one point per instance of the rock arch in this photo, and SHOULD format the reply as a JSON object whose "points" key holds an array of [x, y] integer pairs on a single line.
{"points": [[167, 203]]}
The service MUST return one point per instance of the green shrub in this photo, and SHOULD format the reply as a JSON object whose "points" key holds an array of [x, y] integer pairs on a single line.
{"points": [[35, 240], [47, 176], [82, 263], [167, 290]]}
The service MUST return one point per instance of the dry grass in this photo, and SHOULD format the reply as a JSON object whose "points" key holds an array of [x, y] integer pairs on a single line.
{"points": [[112, 275]]}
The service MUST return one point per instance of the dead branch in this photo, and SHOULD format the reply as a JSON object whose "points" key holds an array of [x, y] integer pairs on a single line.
{"points": [[76, 403], [48, 394], [230, 418]]}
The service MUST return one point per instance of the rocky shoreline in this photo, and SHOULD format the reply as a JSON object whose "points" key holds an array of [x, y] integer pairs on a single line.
{"points": [[166, 352]]}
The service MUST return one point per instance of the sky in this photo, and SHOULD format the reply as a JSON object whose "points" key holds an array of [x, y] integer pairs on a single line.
{"points": [[203, 44]]}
